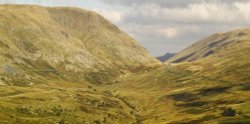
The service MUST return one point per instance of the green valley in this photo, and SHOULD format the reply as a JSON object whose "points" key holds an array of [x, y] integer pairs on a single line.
{"points": [[71, 66]]}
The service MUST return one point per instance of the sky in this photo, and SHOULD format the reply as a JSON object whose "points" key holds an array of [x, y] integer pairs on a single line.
{"points": [[164, 26]]}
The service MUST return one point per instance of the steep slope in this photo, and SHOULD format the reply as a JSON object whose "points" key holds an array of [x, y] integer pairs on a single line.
{"points": [[66, 43], [222, 56]]}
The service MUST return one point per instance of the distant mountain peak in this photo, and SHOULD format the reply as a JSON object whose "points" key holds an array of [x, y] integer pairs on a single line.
{"points": [[166, 57]]}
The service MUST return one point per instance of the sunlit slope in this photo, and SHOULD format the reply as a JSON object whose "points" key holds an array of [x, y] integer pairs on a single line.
{"points": [[67, 43], [170, 95], [222, 56]]}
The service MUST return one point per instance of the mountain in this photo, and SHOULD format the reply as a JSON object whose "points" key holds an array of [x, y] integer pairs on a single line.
{"points": [[165, 57], [223, 56], [65, 43], [211, 45]]}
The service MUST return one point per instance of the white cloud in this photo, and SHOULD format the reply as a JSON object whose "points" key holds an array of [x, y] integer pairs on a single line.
{"points": [[197, 12], [243, 9], [168, 32], [112, 15], [140, 30]]}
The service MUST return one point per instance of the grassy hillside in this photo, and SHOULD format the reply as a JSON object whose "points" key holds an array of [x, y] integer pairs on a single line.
{"points": [[172, 96], [212, 45], [65, 43], [222, 56]]}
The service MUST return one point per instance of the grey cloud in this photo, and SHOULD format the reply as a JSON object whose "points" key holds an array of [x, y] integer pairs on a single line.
{"points": [[166, 3], [160, 2]]}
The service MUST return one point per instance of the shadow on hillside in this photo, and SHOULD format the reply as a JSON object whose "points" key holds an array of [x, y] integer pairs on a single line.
{"points": [[198, 99], [183, 96], [213, 90], [245, 87], [197, 94], [196, 121]]}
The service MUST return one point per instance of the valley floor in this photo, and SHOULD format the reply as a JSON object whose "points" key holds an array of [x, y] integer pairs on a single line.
{"points": [[164, 95]]}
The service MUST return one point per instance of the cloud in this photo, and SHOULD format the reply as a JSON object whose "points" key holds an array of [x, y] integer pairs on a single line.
{"points": [[167, 3], [160, 2], [196, 13], [244, 10], [154, 31], [112, 15], [168, 32]]}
